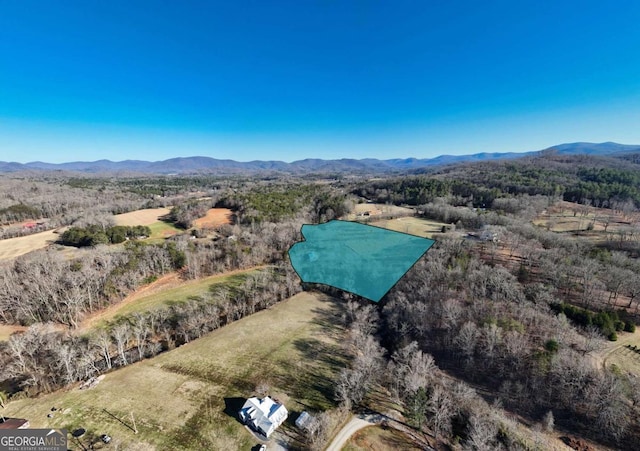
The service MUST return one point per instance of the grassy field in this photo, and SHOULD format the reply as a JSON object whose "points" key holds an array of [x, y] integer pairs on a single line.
{"points": [[414, 226], [15, 247], [161, 230], [165, 291], [143, 217], [188, 398], [617, 353], [379, 439], [570, 217]]}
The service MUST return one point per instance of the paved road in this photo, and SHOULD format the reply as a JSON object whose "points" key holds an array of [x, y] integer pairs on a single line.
{"points": [[355, 424]]}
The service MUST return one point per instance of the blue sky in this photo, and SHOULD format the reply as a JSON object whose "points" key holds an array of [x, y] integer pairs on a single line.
{"points": [[87, 80]]}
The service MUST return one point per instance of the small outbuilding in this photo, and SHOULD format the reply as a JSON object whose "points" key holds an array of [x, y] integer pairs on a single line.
{"points": [[263, 415], [303, 420]]}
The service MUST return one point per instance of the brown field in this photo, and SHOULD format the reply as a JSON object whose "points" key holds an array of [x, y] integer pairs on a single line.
{"points": [[141, 217], [379, 439], [570, 217], [379, 210], [617, 353], [414, 226], [215, 217], [6, 331], [14, 247], [188, 398]]}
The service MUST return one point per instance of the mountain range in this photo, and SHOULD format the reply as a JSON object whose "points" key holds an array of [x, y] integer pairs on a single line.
{"points": [[200, 165]]}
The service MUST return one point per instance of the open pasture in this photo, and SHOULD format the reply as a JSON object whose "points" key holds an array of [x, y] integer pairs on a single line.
{"points": [[373, 210], [188, 398], [411, 225], [570, 217], [215, 217], [15, 247], [143, 217]]}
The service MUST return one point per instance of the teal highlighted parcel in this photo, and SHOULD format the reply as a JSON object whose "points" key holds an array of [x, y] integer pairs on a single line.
{"points": [[358, 258]]}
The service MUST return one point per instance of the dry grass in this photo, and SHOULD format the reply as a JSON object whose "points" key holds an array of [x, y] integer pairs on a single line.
{"points": [[15, 247], [141, 217], [411, 225], [6, 331], [379, 210], [215, 217], [617, 353], [187, 398], [379, 439], [571, 217]]}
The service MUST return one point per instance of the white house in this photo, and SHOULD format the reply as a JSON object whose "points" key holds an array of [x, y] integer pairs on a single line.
{"points": [[263, 415]]}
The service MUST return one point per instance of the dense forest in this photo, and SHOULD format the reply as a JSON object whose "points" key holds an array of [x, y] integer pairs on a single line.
{"points": [[480, 337]]}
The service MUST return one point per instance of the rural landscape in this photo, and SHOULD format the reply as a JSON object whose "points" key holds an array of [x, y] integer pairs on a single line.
{"points": [[141, 310]]}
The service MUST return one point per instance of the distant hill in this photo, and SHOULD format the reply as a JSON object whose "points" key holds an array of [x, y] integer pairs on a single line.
{"points": [[200, 165]]}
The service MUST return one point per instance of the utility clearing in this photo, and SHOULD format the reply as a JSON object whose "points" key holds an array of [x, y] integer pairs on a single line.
{"points": [[188, 398]]}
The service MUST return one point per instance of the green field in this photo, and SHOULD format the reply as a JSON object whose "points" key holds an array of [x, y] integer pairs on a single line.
{"points": [[161, 230], [188, 398], [190, 290]]}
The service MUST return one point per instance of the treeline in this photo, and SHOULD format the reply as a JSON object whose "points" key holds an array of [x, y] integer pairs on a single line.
{"points": [[580, 179], [94, 235], [46, 286], [608, 322], [278, 202], [481, 324], [43, 359]]}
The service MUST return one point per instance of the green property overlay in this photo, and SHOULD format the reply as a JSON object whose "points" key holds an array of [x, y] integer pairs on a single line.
{"points": [[358, 258]]}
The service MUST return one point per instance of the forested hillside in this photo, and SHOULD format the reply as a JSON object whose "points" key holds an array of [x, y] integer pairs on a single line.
{"points": [[503, 336]]}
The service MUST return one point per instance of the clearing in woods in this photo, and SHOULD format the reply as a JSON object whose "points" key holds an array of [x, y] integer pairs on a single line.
{"points": [[15, 247], [621, 353], [166, 290], [414, 226], [188, 398], [144, 217], [570, 217], [215, 217]]}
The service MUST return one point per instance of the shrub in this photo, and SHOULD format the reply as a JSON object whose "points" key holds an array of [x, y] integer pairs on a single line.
{"points": [[613, 336], [629, 327], [551, 345]]}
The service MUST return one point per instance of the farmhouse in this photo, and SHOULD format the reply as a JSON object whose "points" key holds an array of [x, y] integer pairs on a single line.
{"points": [[263, 415]]}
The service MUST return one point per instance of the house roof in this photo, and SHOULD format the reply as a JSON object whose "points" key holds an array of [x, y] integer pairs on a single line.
{"points": [[13, 423], [264, 414]]}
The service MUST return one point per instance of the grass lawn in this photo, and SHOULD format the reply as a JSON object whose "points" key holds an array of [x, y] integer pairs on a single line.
{"points": [[188, 398], [379, 439], [414, 226]]}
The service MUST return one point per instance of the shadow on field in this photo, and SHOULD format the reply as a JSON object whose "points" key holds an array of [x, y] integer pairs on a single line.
{"points": [[232, 406]]}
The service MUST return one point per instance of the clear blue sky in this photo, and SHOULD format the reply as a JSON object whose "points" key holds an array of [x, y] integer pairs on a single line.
{"points": [[89, 79]]}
